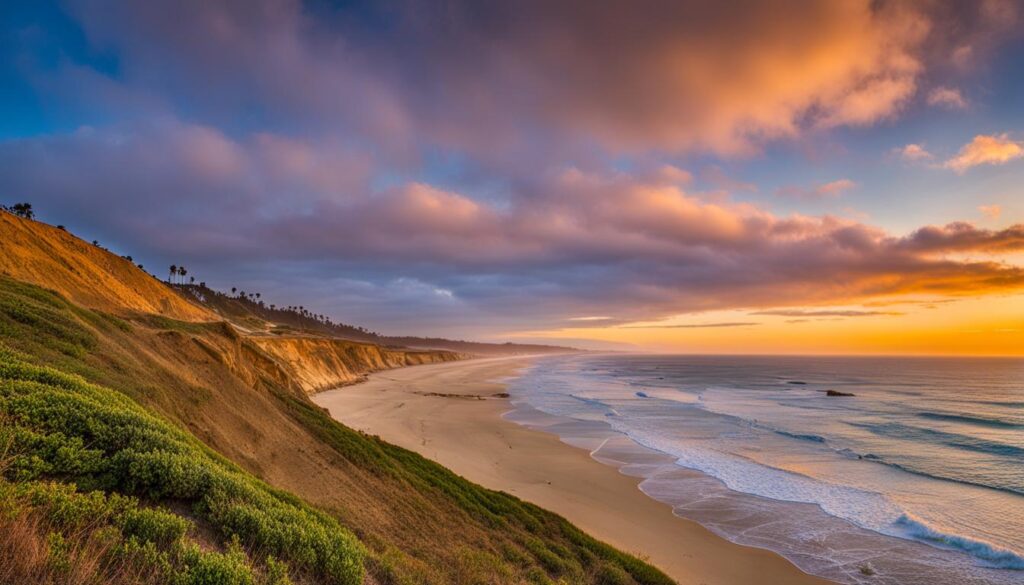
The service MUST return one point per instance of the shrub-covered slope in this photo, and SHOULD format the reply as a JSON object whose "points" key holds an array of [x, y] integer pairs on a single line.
{"points": [[101, 442], [154, 409]]}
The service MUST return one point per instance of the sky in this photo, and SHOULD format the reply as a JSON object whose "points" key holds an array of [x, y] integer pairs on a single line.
{"points": [[687, 176]]}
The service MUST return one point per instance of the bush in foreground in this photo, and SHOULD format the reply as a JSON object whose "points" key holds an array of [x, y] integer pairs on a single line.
{"points": [[96, 440]]}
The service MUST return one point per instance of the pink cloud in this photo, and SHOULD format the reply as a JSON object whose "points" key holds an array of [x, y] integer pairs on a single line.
{"points": [[947, 97], [580, 242], [913, 153]]}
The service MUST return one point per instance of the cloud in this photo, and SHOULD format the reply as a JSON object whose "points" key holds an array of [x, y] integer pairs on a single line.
{"points": [[991, 211], [963, 236], [538, 78], [913, 153], [830, 190], [947, 97], [824, 313], [573, 242], [985, 150]]}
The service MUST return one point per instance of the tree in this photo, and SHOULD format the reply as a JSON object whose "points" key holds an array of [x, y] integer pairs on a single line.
{"points": [[182, 272], [174, 270], [191, 280], [22, 210], [233, 289], [257, 295]]}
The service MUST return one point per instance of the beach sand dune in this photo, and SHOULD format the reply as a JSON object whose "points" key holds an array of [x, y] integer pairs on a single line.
{"points": [[451, 413]]}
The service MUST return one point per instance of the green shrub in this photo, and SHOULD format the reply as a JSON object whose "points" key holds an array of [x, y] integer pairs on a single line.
{"points": [[153, 525], [276, 572], [65, 427], [211, 568], [608, 574]]}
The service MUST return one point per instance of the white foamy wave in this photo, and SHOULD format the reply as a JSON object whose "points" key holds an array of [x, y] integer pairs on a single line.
{"points": [[992, 555], [869, 510]]}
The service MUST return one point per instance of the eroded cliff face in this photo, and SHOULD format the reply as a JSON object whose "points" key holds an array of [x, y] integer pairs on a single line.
{"points": [[318, 364]]}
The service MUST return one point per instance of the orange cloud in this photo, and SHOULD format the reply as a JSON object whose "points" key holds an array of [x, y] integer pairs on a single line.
{"points": [[991, 211], [985, 150]]}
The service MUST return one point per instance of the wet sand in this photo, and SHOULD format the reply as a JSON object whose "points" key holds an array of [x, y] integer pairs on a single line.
{"points": [[451, 413]]}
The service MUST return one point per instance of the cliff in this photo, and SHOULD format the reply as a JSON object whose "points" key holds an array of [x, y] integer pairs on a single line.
{"points": [[318, 364]]}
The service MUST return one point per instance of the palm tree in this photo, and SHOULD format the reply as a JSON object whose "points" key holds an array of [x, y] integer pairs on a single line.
{"points": [[174, 270], [182, 271], [191, 280], [233, 289]]}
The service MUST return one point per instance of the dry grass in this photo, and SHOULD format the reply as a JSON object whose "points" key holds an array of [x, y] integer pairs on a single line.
{"points": [[33, 551]]}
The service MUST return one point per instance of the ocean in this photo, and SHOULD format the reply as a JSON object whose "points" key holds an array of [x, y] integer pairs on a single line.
{"points": [[917, 478]]}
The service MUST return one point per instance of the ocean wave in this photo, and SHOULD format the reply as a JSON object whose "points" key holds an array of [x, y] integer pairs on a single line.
{"points": [[801, 436], [933, 475], [1007, 404], [870, 510], [992, 555], [975, 420], [956, 440]]}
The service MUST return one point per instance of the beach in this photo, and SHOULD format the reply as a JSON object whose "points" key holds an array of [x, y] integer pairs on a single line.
{"points": [[452, 414]]}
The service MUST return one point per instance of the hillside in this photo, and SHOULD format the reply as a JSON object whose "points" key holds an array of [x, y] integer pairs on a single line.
{"points": [[210, 465], [52, 258]]}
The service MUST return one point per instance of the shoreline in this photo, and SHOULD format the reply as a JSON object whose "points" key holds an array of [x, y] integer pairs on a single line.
{"points": [[452, 413]]}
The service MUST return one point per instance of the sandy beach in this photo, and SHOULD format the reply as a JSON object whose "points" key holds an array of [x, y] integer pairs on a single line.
{"points": [[451, 413]]}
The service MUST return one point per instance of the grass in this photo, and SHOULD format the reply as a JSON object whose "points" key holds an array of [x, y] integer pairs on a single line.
{"points": [[81, 396]]}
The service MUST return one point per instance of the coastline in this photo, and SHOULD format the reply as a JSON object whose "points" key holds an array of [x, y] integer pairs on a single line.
{"points": [[452, 414]]}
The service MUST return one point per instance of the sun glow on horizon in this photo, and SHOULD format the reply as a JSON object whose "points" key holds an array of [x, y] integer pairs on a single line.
{"points": [[942, 327]]}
